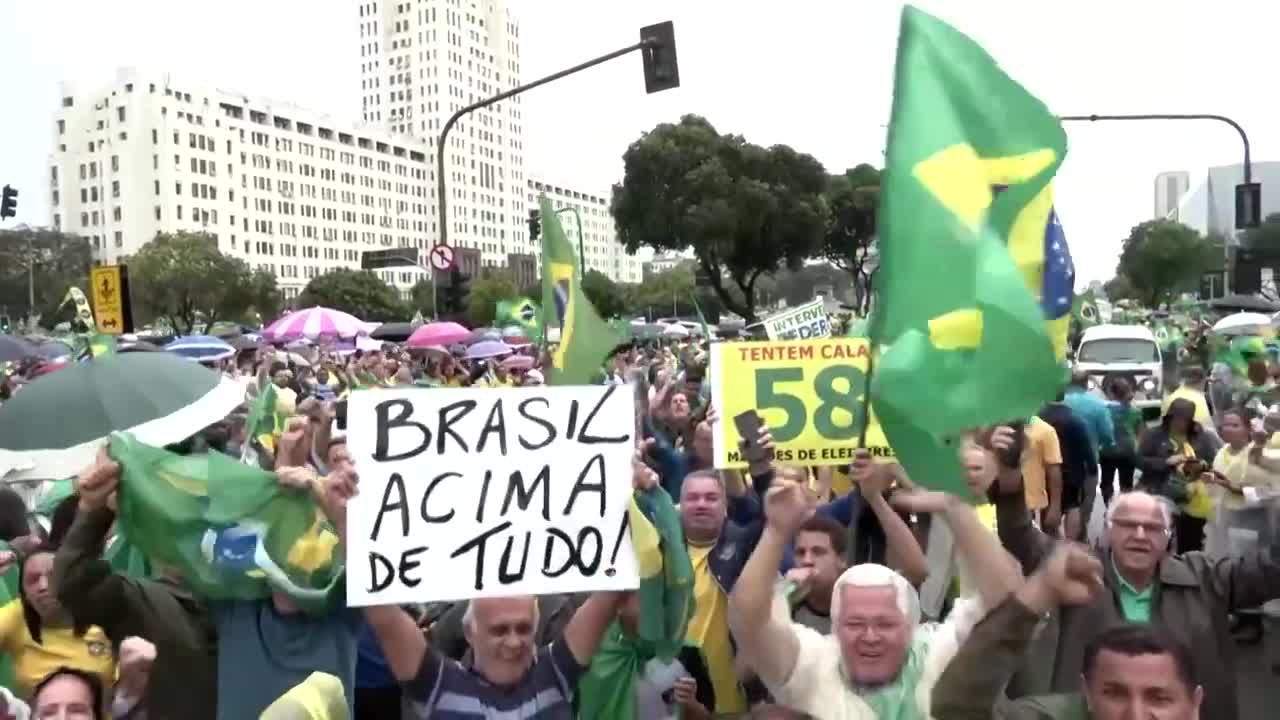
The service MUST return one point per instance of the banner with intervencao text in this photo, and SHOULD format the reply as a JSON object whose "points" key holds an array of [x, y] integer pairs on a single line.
{"points": [[804, 322], [809, 393], [489, 492]]}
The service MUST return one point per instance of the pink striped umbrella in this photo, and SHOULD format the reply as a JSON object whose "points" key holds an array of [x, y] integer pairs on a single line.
{"points": [[315, 322], [438, 333]]}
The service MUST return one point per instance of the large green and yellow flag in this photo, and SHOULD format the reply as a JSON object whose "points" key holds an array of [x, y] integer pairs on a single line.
{"points": [[585, 339], [231, 529], [965, 341]]}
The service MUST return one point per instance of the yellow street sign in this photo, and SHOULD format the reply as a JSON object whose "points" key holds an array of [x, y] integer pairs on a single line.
{"points": [[109, 301]]}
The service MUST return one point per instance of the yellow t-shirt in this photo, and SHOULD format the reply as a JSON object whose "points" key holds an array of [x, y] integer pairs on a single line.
{"points": [[1041, 449], [58, 647], [709, 631]]}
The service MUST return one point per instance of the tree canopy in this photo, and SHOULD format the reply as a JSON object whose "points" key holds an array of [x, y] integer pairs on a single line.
{"points": [[183, 278], [1162, 257], [605, 295], [486, 291], [745, 210], [849, 240], [60, 262], [356, 292]]}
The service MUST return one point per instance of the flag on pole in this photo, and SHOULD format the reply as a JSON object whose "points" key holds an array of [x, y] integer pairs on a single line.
{"points": [[1085, 309], [231, 530], [702, 319], [585, 339], [967, 192]]}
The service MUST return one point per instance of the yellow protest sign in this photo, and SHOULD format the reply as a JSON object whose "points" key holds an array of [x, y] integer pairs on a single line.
{"points": [[809, 393], [109, 287]]}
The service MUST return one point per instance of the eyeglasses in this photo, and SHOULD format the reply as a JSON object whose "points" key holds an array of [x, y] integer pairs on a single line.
{"points": [[1132, 526]]}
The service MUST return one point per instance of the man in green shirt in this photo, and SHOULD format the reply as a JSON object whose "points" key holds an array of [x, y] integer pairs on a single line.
{"points": [[1187, 596]]}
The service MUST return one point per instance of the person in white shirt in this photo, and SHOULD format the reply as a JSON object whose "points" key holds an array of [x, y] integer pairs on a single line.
{"points": [[880, 661]]}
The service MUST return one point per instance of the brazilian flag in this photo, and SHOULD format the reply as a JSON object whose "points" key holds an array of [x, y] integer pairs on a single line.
{"points": [[231, 530], [585, 339], [522, 313], [966, 210]]}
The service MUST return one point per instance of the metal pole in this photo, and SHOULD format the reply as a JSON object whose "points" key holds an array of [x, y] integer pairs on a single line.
{"points": [[434, 299], [1248, 164], [582, 255], [31, 283], [453, 119]]}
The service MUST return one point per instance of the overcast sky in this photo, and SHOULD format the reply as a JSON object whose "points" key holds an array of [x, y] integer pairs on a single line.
{"points": [[814, 74]]}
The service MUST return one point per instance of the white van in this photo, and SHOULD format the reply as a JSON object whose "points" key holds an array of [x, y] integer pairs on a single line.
{"points": [[1128, 351]]}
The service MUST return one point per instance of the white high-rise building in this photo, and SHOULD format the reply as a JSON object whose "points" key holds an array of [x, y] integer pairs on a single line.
{"points": [[283, 188], [1170, 188], [421, 61], [598, 240]]}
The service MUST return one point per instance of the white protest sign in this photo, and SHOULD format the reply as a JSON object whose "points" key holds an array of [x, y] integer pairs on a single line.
{"points": [[804, 322], [489, 492]]}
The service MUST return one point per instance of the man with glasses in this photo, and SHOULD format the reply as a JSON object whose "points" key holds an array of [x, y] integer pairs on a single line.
{"points": [[1186, 596]]}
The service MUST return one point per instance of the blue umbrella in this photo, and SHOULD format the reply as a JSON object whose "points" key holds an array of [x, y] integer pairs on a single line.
{"points": [[200, 347], [487, 349]]}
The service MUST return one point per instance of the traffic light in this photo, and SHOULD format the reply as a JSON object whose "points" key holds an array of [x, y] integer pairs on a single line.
{"points": [[535, 225], [8, 203], [4, 324], [457, 293], [661, 72]]}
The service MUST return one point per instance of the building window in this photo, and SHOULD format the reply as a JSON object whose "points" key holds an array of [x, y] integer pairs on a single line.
{"points": [[120, 113], [155, 136], [115, 214], [177, 188], [157, 188], [157, 212], [115, 188], [115, 163], [84, 219], [62, 127], [119, 239], [84, 195], [93, 194], [179, 207]]}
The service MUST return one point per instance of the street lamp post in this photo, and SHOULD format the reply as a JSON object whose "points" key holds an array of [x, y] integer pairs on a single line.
{"points": [[1248, 193], [582, 256], [657, 43]]}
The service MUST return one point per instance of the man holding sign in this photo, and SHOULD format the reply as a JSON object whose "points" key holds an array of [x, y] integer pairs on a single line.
{"points": [[460, 490]]}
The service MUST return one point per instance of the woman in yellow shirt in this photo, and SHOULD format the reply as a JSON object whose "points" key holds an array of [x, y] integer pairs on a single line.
{"points": [[38, 633]]}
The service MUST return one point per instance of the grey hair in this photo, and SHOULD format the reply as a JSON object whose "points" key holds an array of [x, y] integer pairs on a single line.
{"points": [[469, 614], [873, 575], [1166, 507]]}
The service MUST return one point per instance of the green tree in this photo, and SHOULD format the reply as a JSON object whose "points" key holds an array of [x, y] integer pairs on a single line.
{"points": [[266, 300], [850, 239], [57, 261], [745, 210], [423, 297], [486, 291], [1119, 288], [1162, 257], [662, 294], [604, 294], [183, 278], [357, 292]]}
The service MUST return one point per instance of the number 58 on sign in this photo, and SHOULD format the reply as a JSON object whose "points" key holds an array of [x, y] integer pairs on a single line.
{"points": [[809, 393]]}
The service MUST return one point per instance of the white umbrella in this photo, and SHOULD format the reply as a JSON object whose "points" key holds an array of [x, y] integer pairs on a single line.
{"points": [[676, 330], [1242, 323]]}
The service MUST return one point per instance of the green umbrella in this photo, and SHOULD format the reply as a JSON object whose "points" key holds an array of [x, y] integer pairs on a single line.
{"points": [[54, 426]]}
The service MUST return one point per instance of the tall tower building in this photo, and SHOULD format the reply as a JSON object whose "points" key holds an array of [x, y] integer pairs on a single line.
{"points": [[1170, 187], [421, 61]]}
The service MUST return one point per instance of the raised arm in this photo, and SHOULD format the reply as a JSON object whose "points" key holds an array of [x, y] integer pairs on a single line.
{"points": [[768, 644], [902, 549]]}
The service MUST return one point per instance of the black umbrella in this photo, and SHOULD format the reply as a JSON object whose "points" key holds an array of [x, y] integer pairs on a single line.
{"points": [[395, 332]]}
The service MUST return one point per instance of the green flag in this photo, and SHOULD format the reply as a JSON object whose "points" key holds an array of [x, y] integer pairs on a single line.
{"points": [[971, 156], [607, 689], [261, 425], [702, 319], [585, 339], [1085, 309], [522, 313], [230, 529]]}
